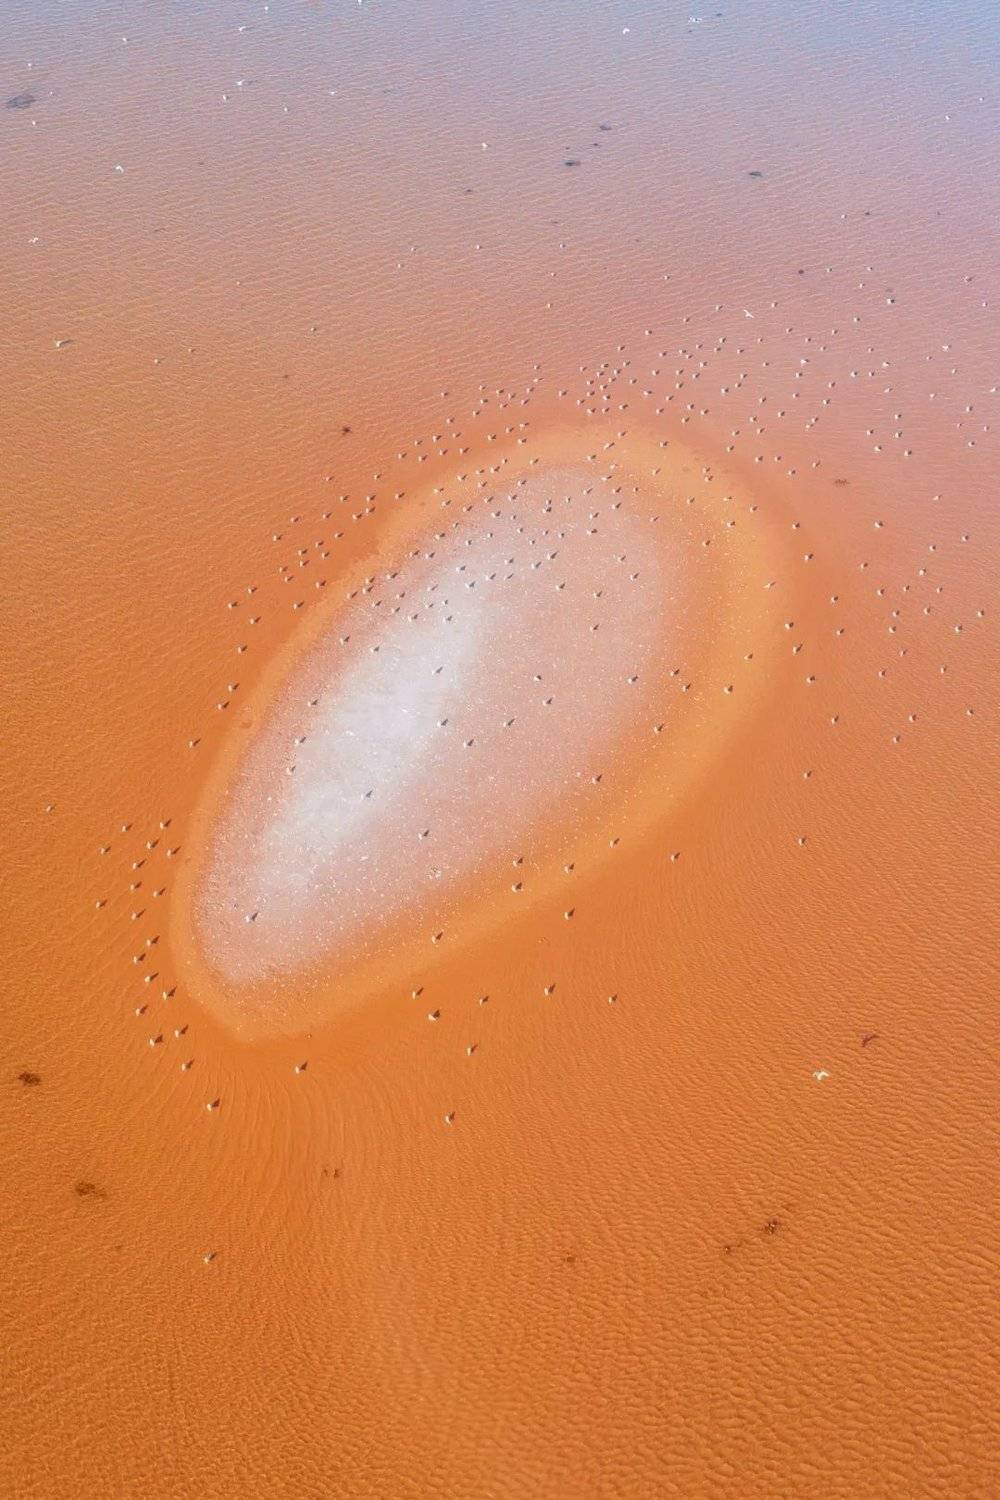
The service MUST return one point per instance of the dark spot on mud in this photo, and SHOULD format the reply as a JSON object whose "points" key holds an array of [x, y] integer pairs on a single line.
{"points": [[755, 173], [30, 1080], [869, 1036], [841, 481], [89, 1190], [21, 101], [572, 161], [772, 1226]]}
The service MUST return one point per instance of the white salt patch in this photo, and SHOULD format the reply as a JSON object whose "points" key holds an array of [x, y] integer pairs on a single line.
{"points": [[389, 804]]}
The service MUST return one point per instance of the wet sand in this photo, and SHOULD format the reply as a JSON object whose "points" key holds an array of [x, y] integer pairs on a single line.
{"points": [[685, 1193]]}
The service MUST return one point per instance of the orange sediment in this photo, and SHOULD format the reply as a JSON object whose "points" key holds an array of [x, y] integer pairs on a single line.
{"points": [[561, 1182], [670, 1173]]}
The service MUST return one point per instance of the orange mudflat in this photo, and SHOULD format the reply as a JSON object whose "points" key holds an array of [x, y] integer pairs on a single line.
{"points": [[501, 882]]}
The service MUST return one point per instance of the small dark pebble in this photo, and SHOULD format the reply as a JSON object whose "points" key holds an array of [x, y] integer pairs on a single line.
{"points": [[30, 1080], [572, 161], [21, 101], [755, 174]]}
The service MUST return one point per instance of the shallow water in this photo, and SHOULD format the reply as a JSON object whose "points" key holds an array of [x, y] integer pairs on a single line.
{"points": [[669, 1172]]}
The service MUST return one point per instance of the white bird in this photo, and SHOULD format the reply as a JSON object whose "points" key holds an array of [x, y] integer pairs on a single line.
{"points": [[820, 1074], [747, 313]]}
